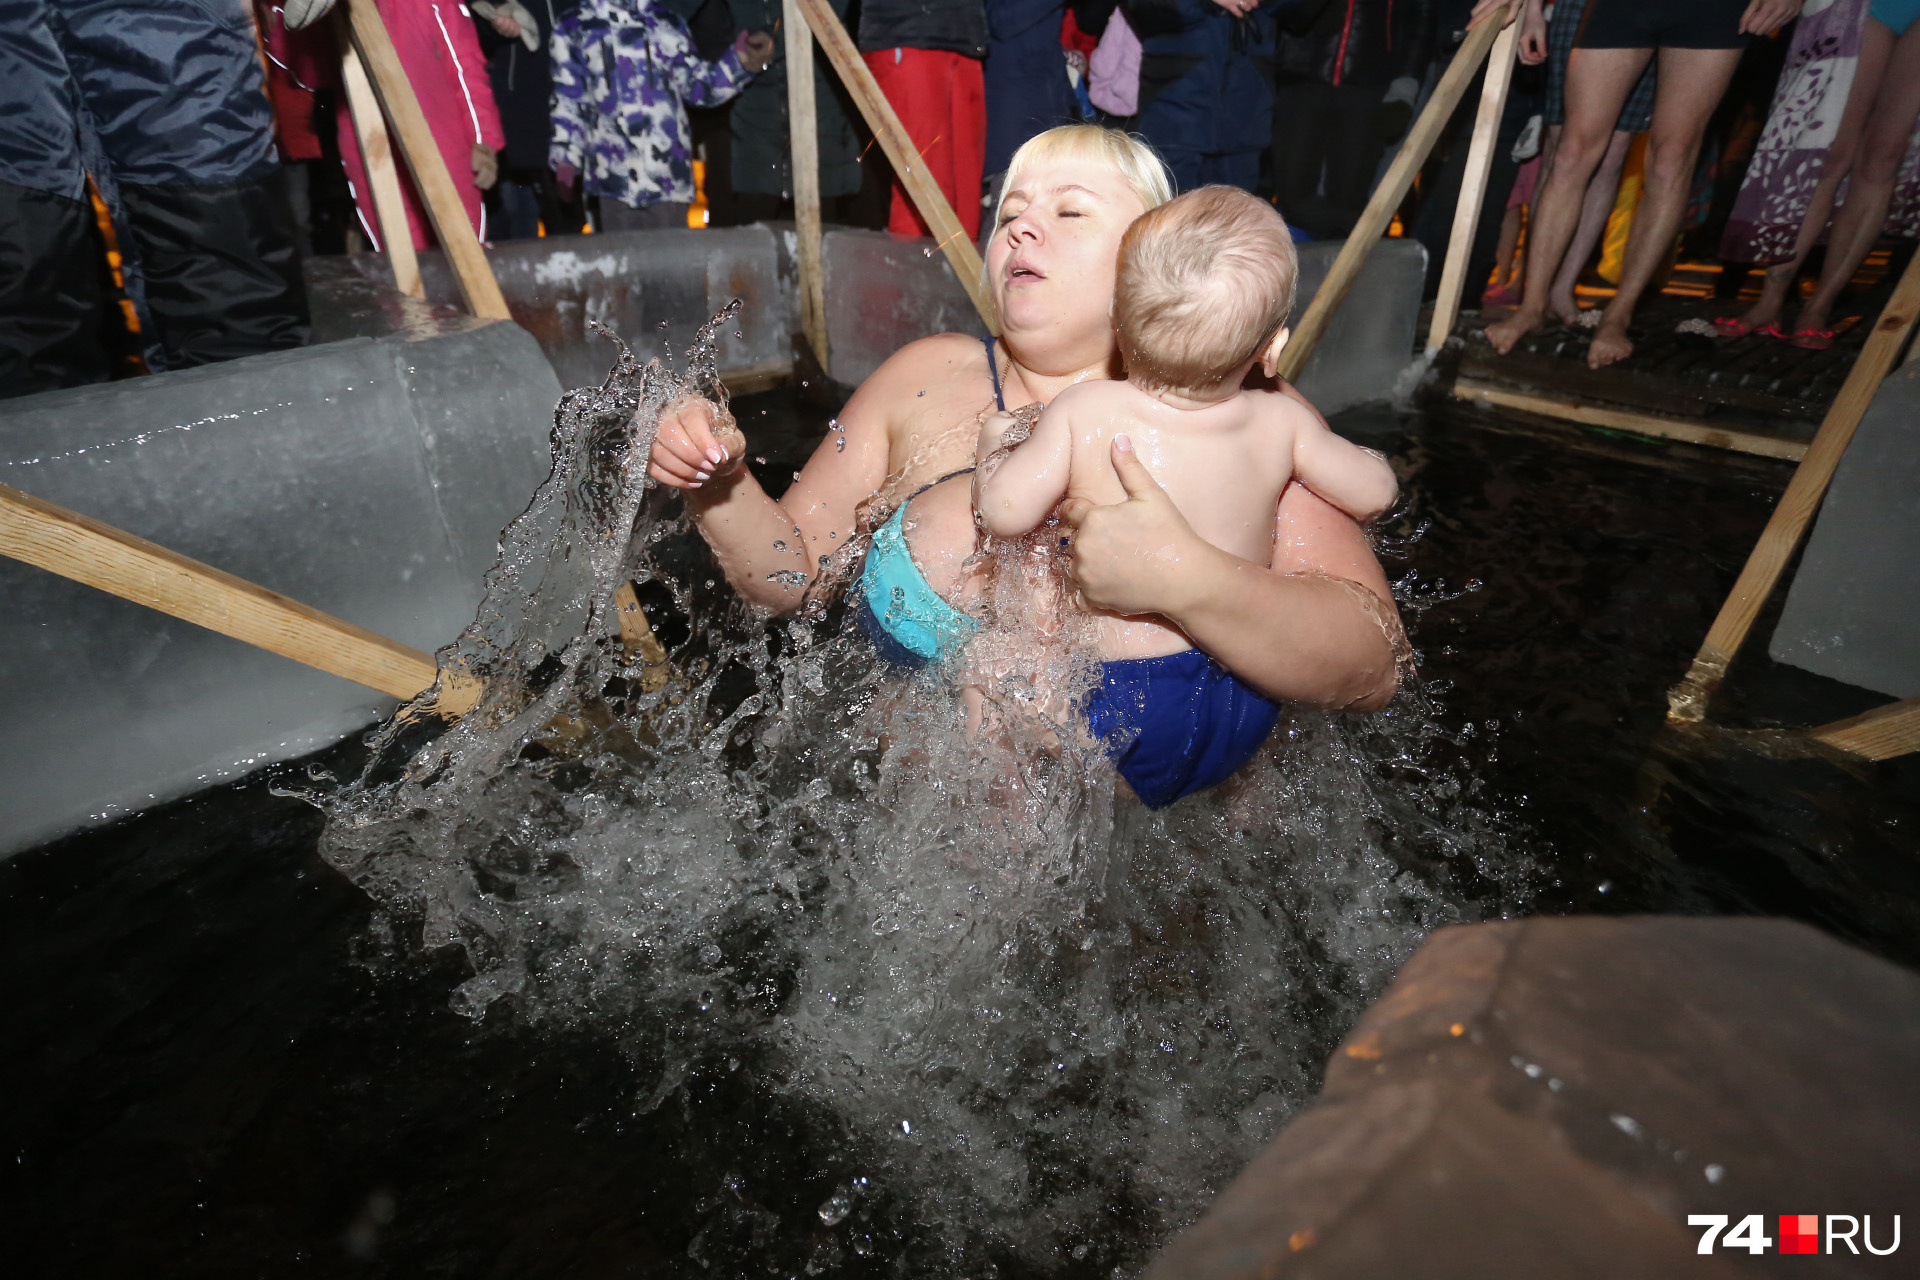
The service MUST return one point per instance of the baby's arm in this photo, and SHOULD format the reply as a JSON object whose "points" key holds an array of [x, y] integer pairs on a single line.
{"points": [[1358, 481], [1013, 492]]}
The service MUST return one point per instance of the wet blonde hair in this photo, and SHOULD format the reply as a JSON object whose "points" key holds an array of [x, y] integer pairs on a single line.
{"points": [[1137, 164], [1205, 281]]}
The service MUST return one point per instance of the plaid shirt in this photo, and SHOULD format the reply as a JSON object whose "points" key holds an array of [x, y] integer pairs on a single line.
{"points": [[623, 71]]}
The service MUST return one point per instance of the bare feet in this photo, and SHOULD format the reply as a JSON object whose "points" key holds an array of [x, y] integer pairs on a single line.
{"points": [[1610, 345], [1503, 334], [1564, 307]]}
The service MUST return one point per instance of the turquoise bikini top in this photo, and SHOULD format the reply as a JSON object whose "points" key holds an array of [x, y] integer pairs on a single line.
{"points": [[902, 603]]}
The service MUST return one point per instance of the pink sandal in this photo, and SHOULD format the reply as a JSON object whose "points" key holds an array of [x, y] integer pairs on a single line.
{"points": [[1732, 327], [1812, 339]]}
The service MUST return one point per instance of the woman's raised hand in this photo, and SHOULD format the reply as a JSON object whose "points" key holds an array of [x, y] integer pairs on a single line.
{"points": [[696, 442]]}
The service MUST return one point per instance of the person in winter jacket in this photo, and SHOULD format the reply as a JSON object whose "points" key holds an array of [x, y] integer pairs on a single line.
{"points": [[1206, 86], [1349, 72], [515, 36], [623, 72], [1026, 76], [440, 52], [762, 152], [926, 55], [160, 103]]}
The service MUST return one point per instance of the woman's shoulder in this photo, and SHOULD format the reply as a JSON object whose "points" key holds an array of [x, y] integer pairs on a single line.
{"points": [[928, 363]]}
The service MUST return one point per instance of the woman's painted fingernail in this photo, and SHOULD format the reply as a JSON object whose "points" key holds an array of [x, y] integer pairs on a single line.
{"points": [[714, 456], [1124, 442], [702, 475]]}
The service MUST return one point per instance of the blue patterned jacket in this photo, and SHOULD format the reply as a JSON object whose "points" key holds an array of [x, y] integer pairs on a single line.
{"points": [[623, 71]]}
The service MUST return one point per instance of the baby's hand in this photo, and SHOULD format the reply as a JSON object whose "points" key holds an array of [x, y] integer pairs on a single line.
{"points": [[697, 440]]}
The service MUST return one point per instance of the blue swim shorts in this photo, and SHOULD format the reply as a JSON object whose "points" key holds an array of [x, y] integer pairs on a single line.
{"points": [[1177, 724]]}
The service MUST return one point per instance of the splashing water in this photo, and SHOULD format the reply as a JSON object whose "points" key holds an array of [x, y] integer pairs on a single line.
{"points": [[1038, 1023]]}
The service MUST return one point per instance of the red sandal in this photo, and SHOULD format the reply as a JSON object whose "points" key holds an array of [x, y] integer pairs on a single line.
{"points": [[1731, 327], [1812, 339]]}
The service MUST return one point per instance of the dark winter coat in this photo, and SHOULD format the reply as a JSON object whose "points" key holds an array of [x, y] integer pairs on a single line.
{"points": [[1026, 75], [522, 82], [1364, 43], [762, 154], [957, 26], [1206, 77]]}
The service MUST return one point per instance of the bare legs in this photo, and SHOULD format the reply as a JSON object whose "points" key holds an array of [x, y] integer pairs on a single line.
{"points": [[1876, 43], [1598, 81], [1877, 163], [1692, 82], [1593, 224]]}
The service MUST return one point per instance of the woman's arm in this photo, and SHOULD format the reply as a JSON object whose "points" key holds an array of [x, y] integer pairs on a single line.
{"points": [[1318, 627], [771, 550]]}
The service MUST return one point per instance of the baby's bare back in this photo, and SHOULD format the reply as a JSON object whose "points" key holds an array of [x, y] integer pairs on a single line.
{"points": [[1225, 465]]}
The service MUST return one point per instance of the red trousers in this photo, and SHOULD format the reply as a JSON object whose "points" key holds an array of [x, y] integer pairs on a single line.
{"points": [[941, 98]]}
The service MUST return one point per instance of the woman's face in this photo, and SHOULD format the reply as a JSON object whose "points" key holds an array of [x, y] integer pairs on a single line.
{"points": [[1051, 261]]}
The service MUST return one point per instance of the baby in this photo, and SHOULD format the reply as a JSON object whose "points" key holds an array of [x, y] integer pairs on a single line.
{"points": [[1205, 285]]}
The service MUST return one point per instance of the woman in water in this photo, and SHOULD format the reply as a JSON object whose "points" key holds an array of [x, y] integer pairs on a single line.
{"points": [[1317, 627]]}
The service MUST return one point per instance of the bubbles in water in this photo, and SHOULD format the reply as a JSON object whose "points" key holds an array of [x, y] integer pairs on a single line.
{"points": [[1038, 1014]]}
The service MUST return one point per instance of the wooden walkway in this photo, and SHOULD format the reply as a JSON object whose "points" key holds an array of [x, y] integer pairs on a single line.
{"points": [[1755, 394]]}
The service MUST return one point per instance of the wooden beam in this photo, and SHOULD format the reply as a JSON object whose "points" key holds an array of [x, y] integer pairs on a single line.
{"points": [[1391, 191], [1880, 734], [901, 154], [1687, 701], [803, 128], [99, 555], [1640, 424], [1473, 186], [430, 177], [383, 178]]}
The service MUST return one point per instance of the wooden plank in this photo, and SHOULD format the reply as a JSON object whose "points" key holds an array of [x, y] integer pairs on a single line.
{"points": [[1641, 424], [83, 549], [383, 178], [430, 177], [1687, 701], [1391, 191], [803, 128], [902, 155], [1473, 185], [1880, 734]]}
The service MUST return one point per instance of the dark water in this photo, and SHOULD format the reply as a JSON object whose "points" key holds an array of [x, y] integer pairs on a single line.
{"points": [[210, 1069]]}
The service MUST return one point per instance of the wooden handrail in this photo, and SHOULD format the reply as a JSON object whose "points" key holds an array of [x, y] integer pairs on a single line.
{"points": [[1392, 190], [123, 564], [368, 34], [1473, 186], [803, 129], [1687, 701], [901, 154]]}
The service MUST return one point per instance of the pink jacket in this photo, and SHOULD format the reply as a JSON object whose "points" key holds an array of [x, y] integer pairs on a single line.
{"points": [[440, 51]]}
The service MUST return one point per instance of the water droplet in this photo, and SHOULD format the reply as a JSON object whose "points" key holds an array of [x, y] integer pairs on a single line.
{"points": [[835, 1210], [906, 1126], [779, 544]]}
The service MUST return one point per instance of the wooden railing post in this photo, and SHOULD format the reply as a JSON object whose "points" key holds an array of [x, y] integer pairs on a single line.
{"points": [[803, 129], [1392, 190], [1473, 187], [901, 154], [383, 178], [370, 40], [122, 564], [1687, 701]]}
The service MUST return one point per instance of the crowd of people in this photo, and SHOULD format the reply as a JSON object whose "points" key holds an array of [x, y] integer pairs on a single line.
{"points": [[174, 160]]}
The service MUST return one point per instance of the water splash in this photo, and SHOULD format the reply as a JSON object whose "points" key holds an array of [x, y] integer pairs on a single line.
{"points": [[1034, 1025]]}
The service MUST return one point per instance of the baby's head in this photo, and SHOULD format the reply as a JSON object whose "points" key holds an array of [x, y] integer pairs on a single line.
{"points": [[1205, 285]]}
